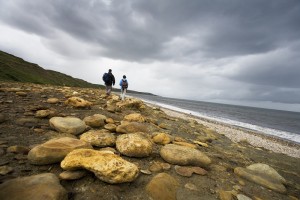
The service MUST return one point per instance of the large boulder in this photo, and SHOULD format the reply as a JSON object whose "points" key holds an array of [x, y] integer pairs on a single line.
{"points": [[78, 102], [134, 145], [42, 186], [182, 155], [131, 127], [134, 117], [70, 125], [95, 121], [55, 150], [99, 138], [161, 138], [162, 186], [263, 175], [107, 166], [130, 103]]}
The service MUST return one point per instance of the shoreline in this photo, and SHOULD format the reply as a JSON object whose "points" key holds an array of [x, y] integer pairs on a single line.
{"points": [[237, 134]]}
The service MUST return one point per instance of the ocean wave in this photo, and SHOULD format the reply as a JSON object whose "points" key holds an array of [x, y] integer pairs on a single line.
{"points": [[269, 131]]}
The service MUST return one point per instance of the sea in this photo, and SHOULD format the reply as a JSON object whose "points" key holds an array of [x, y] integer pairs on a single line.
{"points": [[278, 123]]}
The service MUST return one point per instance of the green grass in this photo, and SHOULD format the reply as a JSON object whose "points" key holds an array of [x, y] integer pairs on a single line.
{"points": [[16, 69]]}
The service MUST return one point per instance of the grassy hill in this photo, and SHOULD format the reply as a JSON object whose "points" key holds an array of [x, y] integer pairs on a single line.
{"points": [[16, 69]]}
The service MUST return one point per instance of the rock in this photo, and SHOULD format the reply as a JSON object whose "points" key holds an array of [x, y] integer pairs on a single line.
{"points": [[162, 186], [27, 122], [266, 170], [78, 102], [200, 143], [42, 186], [5, 170], [72, 175], [18, 149], [163, 126], [109, 121], [225, 195], [99, 138], [181, 155], [45, 113], [70, 125], [262, 177], [134, 145], [111, 108], [95, 121], [107, 166], [132, 127], [156, 167], [146, 171], [159, 166], [22, 94], [110, 127], [2, 152], [135, 117], [191, 186], [242, 197], [161, 138], [3, 118], [130, 103], [188, 171], [52, 100], [186, 144], [55, 150]]}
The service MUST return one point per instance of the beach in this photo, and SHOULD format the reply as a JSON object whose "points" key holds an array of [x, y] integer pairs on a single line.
{"points": [[237, 134], [165, 145]]}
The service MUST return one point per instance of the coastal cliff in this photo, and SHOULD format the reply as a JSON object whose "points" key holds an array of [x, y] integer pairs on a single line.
{"points": [[78, 143]]}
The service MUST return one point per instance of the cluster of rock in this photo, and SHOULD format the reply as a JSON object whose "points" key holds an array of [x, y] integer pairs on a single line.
{"points": [[102, 145]]}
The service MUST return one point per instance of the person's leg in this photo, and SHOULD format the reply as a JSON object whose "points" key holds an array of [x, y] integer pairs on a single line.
{"points": [[124, 93], [121, 94], [108, 90]]}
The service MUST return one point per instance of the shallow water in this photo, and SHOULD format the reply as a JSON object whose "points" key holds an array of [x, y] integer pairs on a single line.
{"points": [[283, 124]]}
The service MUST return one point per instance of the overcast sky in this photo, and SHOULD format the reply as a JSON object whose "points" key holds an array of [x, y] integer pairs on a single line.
{"points": [[234, 51]]}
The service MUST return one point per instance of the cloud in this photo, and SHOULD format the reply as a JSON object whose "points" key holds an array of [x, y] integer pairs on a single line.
{"points": [[205, 50]]}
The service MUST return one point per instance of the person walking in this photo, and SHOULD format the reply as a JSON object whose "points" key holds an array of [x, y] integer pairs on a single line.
{"points": [[124, 86], [109, 80]]}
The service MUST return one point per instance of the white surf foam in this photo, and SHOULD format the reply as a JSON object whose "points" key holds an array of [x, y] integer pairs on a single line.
{"points": [[282, 134]]}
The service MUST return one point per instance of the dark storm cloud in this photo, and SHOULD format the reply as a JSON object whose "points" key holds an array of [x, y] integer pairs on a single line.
{"points": [[140, 30], [196, 42]]}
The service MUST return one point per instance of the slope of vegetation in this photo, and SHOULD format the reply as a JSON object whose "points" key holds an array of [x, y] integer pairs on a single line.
{"points": [[16, 69]]}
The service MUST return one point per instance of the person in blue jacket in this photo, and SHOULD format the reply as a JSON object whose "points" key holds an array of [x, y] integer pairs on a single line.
{"points": [[124, 86]]}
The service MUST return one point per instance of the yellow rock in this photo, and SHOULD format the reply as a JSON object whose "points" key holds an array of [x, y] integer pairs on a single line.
{"points": [[200, 143], [107, 166]]}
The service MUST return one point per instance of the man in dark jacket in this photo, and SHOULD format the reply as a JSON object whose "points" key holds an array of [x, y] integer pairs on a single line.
{"points": [[109, 80]]}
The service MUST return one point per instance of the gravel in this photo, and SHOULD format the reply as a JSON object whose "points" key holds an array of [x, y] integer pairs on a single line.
{"points": [[237, 134]]}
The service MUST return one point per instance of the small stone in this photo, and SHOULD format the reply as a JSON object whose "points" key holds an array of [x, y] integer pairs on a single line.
{"points": [[72, 175], [237, 187], [22, 94], [242, 183], [5, 170], [52, 100], [200, 143], [191, 186], [18, 149], [242, 197], [225, 195], [156, 167], [146, 171]]}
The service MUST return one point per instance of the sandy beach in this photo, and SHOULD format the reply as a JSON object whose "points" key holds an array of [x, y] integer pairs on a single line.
{"points": [[237, 134]]}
